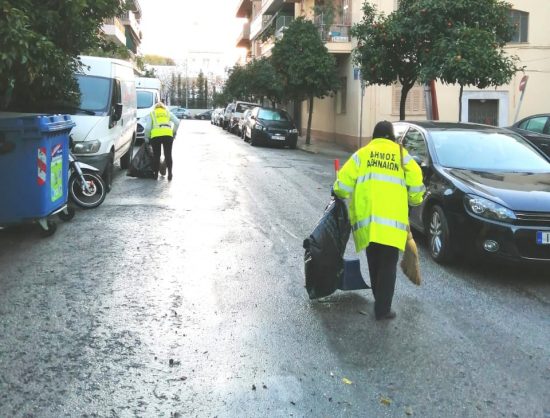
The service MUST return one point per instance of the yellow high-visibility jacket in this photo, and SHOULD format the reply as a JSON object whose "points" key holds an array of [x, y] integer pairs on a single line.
{"points": [[380, 193], [160, 123]]}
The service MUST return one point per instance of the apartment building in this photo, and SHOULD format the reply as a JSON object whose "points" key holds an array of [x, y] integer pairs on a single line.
{"points": [[125, 30], [499, 106], [349, 116]]}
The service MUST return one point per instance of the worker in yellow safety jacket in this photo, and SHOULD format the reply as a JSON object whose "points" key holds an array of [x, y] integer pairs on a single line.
{"points": [[382, 180], [161, 126]]}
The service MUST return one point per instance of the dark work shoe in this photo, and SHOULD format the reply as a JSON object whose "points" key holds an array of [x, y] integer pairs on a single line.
{"points": [[169, 176], [389, 315]]}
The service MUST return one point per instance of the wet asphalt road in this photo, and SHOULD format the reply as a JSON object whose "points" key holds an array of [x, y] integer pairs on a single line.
{"points": [[186, 299]]}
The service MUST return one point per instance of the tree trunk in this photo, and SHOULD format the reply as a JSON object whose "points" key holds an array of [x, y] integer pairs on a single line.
{"points": [[309, 118], [460, 103], [406, 87]]}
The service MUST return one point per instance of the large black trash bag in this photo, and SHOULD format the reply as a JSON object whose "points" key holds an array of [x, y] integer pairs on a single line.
{"points": [[142, 164], [325, 247]]}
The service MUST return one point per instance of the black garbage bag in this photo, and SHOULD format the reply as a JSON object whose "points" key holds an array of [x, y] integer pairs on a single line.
{"points": [[325, 247], [142, 164]]}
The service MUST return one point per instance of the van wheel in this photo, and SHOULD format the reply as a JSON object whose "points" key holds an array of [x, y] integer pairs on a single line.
{"points": [[127, 158], [108, 173]]}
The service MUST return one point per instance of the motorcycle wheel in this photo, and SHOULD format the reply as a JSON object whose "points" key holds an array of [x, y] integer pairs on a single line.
{"points": [[83, 198]]}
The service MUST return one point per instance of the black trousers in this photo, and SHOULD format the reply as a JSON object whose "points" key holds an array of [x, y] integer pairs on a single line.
{"points": [[382, 261], [166, 143]]}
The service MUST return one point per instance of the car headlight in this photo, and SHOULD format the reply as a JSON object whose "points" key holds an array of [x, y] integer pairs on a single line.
{"points": [[293, 131], [488, 209], [86, 147], [259, 127]]}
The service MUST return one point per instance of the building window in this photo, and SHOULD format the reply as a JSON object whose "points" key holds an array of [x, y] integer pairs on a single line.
{"points": [[520, 20], [342, 96], [414, 104]]}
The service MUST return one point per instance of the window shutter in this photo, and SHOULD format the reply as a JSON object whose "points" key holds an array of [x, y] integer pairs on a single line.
{"points": [[415, 100]]}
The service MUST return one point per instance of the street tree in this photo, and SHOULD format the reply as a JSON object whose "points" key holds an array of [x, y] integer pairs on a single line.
{"points": [[264, 82], [306, 68], [40, 45], [237, 85], [469, 48], [388, 50], [158, 60], [201, 96], [455, 41]]}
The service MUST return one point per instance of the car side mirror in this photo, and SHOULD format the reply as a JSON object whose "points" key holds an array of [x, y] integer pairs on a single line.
{"points": [[117, 114], [418, 160]]}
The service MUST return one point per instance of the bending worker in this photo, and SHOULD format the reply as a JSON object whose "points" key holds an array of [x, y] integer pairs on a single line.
{"points": [[161, 127], [382, 180]]}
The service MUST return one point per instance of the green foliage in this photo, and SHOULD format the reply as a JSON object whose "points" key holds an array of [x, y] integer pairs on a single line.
{"points": [[40, 44], [263, 81], [306, 68], [220, 100], [158, 60], [387, 50], [455, 41], [237, 84], [201, 91]]}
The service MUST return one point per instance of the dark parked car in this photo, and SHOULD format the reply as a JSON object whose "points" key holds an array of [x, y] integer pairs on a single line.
{"points": [[536, 129], [267, 125], [488, 190], [204, 115]]}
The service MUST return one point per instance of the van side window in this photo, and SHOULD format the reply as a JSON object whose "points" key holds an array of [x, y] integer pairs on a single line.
{"points": [[116, 97]]}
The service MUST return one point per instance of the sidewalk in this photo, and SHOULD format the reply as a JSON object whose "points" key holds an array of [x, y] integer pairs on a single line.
{"points": [[329, 149]]}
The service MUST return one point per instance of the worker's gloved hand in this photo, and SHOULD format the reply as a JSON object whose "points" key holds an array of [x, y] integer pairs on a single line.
{"points": [[332, 194]]}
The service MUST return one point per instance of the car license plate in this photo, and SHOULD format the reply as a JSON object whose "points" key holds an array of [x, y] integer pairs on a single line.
{"points": [[543, 238], [277, 137]]}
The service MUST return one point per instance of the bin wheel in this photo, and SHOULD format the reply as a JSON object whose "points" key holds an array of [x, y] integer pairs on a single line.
{"points": [[49, 230], [66, 214]]}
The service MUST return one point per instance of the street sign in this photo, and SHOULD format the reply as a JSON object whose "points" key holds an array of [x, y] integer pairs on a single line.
{"points": [[523, 82]]}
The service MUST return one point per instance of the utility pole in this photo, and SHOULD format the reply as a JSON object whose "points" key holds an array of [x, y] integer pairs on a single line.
{"points": [[361, 115]]}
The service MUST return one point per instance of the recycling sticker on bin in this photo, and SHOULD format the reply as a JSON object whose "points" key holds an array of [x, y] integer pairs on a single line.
{"points": [[56, 172]]}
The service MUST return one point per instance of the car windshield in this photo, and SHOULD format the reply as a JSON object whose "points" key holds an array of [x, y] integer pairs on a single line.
{"points": [[487, 151], [241, 107], [95, 93], [144, 99], [268, 114]]}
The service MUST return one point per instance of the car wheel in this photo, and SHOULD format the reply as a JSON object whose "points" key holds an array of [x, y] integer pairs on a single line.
{"points": [[439, 236], [292, 144]]}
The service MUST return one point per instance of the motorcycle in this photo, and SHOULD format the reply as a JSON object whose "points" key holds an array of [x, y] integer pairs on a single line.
{"points": [[86, 187]]}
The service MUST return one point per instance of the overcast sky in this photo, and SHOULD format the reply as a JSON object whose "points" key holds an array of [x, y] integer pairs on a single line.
{"points": [[173, 27]]}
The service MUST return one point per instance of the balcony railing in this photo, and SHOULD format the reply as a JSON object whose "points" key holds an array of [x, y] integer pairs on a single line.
{"points": [[332, 32], [129, 19], [243, 41], [281, 24], [114, 29]]}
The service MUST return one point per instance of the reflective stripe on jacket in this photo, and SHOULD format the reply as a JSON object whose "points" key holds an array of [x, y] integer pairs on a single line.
{"points": [[380, 193], [160, 123]]}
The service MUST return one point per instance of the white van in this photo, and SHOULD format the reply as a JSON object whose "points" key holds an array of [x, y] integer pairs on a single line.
{"points": [[106, 119], [148, 94]]}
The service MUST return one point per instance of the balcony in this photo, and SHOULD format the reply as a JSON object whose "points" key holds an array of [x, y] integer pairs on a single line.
{"points": [[244, 9], [281, 24], [115, 31], [129, 20], [243, 41], [336, 36], [273, 6]]}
